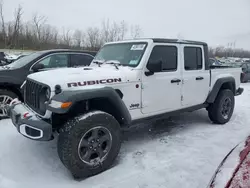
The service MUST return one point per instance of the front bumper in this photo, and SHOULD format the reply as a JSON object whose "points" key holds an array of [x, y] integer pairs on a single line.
{"points": [[239, 91], [29, 124]]}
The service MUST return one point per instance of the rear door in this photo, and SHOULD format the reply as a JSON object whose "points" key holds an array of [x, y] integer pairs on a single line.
{"points": [[77, 60], [195, 83]]}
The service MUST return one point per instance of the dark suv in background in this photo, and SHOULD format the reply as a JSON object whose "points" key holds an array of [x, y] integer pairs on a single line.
{"points": [[13, 75]]}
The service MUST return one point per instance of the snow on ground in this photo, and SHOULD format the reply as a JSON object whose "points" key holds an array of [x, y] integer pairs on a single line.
{"points": [[183, 151]]}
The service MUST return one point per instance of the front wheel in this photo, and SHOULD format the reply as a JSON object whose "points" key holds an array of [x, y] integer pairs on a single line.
{"points": [[220, 112], [89, 144], [6, 97]]}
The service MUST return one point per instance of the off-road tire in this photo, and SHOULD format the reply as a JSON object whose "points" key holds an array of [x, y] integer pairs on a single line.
{"points": [[71, 134], [215, 109], [7, 93]]}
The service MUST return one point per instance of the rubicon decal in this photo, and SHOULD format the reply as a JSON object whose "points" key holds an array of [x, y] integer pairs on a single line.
{"points": [[94, 82]]}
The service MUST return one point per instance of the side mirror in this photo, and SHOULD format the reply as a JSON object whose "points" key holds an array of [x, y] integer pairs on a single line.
{"points": [[37, 67], [154, 66]]}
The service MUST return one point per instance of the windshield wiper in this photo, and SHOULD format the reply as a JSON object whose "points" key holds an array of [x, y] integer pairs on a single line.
{"points": [[113, 62], [98, 62]]}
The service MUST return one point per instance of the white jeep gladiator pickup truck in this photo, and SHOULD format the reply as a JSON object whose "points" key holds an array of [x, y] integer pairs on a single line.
{"points": [[127, 82]]}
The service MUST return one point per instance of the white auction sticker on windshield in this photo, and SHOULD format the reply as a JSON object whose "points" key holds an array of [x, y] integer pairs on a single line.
{"points": [[138, 47]]}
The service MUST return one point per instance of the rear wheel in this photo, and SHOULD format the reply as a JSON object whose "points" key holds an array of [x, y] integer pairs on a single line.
{"points": [[6, 97], [89, 144], [220, 112]]}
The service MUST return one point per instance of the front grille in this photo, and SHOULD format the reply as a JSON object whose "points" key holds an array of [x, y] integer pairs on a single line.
{"points": [[33, 96]]}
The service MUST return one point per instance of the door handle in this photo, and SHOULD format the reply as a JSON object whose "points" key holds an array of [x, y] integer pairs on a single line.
{"points": [[175, 81], [199, 78]]}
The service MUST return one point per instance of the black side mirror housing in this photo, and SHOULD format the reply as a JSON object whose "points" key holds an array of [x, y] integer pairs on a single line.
{"points": [[37, 67], [154, 66]]}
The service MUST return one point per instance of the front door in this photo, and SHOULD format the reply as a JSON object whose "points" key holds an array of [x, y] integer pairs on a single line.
{"points": [[161, 92], [195, 85]]}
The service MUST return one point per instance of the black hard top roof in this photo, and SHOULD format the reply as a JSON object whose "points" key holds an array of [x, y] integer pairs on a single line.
{"points": [[180, 41]]}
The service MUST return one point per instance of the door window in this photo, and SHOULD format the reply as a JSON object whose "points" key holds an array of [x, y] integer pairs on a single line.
{"points": [[166, 54], [55, 61], [192, 58], [81, 60]]}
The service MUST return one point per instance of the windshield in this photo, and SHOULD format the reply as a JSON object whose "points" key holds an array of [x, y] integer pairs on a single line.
{"points": [[128, 54], [24, 60]]}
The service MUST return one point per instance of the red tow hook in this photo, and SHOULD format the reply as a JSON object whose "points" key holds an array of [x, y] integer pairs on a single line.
{"points": [[25, 115]]}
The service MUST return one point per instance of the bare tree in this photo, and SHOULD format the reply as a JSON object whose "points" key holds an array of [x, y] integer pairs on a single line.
{"points": [[55, 36], [211, 52], [114, 31], [105, 31], [36, 34], [93, 38], [3, 23], [66, 37], [78, 37], [38, 21], [135, 31], [123, 30], [219, 51], [17, 26]]}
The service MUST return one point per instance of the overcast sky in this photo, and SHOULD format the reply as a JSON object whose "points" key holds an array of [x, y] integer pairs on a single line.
{"points": [[214, 21]]}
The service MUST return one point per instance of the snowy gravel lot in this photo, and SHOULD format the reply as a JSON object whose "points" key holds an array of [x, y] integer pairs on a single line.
{"points": [[183, 151]]}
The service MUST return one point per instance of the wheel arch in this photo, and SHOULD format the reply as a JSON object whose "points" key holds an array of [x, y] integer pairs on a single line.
{"points": [[13, 88], [221, 83], [105, 99]]}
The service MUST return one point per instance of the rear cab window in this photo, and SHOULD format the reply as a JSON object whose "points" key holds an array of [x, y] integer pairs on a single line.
{"points": [[193, 58]]}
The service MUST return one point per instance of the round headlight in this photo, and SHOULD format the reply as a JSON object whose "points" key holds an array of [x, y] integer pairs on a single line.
{"points": [[47, 93]]}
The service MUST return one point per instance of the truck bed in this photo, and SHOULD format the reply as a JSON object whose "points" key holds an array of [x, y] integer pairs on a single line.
{"points": [[220, 66]]}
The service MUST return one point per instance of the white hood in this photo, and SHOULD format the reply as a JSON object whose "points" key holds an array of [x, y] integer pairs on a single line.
{"points": [[64, 76]]}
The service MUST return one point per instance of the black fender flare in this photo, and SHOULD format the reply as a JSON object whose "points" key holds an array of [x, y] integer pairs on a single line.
{"points": [[81, 95], [217, 86]]}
